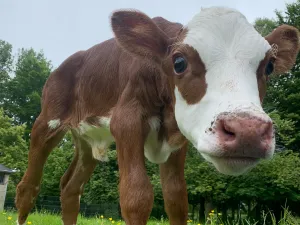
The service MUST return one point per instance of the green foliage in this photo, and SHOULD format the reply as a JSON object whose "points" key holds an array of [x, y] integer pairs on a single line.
{"points": [[103, 185], [56, 165], [13, 149], [24, 90], [272, 180], [5, 68], [265, 26], [203, 179]]}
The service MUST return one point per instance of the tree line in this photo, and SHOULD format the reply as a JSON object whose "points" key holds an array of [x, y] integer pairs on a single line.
{"points": [[269, 186]]}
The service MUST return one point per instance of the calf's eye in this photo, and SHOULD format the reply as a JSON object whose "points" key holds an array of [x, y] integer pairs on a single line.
{"points": [[269, 68], [180, 64]]}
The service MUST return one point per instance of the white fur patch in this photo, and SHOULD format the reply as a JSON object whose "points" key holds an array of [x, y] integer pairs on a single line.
{"points": [[154, 123], [53, 124], [99, 137], [231, 50], [157, 151]]}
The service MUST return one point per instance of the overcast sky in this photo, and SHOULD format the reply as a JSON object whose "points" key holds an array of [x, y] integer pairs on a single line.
{"points": [[62, 27]]}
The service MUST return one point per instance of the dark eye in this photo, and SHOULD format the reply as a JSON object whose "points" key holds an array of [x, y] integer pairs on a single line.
{"points": [[269, 68], [180, 64]]}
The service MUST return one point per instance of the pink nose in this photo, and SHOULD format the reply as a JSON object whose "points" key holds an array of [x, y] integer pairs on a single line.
{"points": [[243, 135]]}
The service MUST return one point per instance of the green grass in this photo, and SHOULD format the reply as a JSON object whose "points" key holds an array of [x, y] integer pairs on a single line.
{"points": [[10, 218], [39, 218]]}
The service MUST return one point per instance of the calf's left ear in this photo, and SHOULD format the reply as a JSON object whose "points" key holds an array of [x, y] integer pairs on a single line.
{"points": [[136, 33], [287, 39]]}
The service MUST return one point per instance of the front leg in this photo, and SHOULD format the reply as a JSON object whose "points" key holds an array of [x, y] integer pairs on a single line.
{"points": [[136, 193], [174, 187]]}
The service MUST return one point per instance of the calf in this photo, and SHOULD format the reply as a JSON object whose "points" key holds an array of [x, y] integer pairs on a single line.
{"points": [[151, 89]]}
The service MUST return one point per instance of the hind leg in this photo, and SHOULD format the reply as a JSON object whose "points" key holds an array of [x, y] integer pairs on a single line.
{"points": [[72, 183], [43, 140]]}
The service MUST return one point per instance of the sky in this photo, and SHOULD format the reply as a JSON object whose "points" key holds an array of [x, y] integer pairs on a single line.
{"points": [[63, 27]]}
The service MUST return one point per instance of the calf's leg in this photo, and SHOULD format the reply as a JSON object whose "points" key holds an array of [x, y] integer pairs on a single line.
{"points": [[73, 181], [43, 140], [174, 187], [136, 193]]}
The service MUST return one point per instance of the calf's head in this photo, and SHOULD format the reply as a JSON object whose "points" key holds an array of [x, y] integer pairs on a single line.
{"points": [[218, 66]]}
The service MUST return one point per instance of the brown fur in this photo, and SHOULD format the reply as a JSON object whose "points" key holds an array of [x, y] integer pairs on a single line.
{"points": [[130, 79], [191, 84], [287, 39]]}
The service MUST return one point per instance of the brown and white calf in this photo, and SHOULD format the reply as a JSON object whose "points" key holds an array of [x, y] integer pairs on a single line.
{"points": [[151, 89]]}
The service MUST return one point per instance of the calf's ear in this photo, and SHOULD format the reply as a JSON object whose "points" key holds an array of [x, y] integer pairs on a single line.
{"points": [[286, 40], [138, 34]]}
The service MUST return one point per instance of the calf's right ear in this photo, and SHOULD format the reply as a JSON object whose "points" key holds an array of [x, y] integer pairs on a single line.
{"points": [[136, 33]]}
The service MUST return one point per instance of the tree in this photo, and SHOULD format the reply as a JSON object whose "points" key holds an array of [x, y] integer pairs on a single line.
{"points": [[6, 61], [23, 102], [56, 165], [13, 149], [264, 25]]}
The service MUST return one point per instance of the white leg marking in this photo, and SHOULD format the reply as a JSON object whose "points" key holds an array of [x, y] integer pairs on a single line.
{"points": [[53, 124]]}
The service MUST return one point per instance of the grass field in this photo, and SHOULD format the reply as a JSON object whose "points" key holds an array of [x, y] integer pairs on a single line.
{"points": [[9, 218]]}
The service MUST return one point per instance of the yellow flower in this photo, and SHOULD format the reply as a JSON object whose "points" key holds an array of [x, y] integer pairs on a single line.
{"points": [[101, 216], [110, 219], [28, 222], [198, 224], [9, 218], [212, 211]]}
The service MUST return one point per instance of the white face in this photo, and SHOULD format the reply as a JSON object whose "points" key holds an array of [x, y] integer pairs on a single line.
{"points": [[231, 50]]}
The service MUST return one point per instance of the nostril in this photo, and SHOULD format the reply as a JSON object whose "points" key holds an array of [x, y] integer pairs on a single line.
{"points": [[267, 130], [227, 129]]}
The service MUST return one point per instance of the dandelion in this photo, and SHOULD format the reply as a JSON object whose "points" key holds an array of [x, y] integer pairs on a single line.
{"points": [[9, 218], [212, 211], [110, 219], [101, 216], [198, 224], [29, 222]]}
